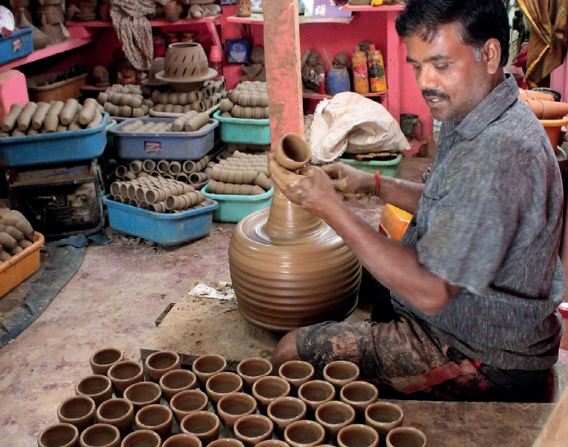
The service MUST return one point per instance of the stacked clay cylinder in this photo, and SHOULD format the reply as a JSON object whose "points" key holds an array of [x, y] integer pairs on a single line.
{"points": [[156, 193], [188, 122], [48, 117], [211, 94], [248, 100], [239, 174], [16, 233], [124, 101]]}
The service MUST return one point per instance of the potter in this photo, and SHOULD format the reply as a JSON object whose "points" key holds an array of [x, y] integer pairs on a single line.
{"points": [[476, 280]]}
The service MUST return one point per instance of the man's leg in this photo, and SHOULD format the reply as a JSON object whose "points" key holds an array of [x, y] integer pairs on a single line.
{"points": [[286, 349]]}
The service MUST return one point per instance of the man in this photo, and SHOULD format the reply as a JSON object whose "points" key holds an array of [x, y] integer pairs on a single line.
{"points": [[476, 281]]}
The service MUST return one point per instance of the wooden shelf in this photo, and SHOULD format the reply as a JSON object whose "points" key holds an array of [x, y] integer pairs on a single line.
{"points": [[258, 19], [319, 96], [155, 23], [383, 8], [52, 50]]}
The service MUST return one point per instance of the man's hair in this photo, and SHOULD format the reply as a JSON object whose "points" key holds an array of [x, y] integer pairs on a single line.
{"points": [[481, 20]]}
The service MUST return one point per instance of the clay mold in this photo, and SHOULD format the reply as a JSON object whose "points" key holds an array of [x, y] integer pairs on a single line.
{"points": [[357, 435], [203, 424], [78, 411], [222, 384], [123, 374], [253, 429], [187, 402], [158, 418], [233, 406], [103, 359], [100, 435], [406, 437], [304, 434], [116, 412], [142, 394], [159, 363], [177, 380], [384, 416], [97, 387], [59, 435]]}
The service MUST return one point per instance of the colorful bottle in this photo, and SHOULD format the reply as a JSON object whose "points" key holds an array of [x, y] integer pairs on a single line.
{"points": [[377, 78], [360, 72]]}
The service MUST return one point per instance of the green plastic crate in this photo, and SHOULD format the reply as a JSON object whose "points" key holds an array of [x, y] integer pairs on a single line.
{"points": [[244, 131], [234, 208], [388, 168]]}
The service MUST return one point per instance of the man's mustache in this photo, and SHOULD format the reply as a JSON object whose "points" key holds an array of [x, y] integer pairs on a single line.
{"points": [[434, 94]]}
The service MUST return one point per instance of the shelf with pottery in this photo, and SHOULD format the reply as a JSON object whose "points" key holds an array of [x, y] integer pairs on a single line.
{"points": [[307, 94], [155, 23], [367, 8], [258, 19]]}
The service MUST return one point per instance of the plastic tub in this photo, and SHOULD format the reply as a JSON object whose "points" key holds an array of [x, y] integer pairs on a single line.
{"points": [[244, 131], [58, 91], [18, 45], [56, 147], [553, 129], [18, 268], [161, 228], [387, 168], [234, 208], [165, 145]]}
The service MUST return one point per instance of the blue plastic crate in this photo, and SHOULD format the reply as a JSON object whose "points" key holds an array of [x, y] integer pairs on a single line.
{"points": [[162, 228], [244, 131], [18, 45], [233, 208]]}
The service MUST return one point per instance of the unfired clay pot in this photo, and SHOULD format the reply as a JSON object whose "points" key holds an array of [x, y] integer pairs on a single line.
{"points": [[406, 437], [156, 417], [78, 411], [117, 412], [146, 438], [203, 424], [359, 394], [341, 372], [222, 384], [142, 394], [186, 62], [97, 387], [100, 435], [316, 392], [334, 415], [304, 434], [175, 381], [125, 373], [227, 442], [183, 440], [269, 388], [253, 429], [285, 410], [254, 368], [59, 435], [187, 402], [233, 406], [289, 268], [297, 372], [159, 363], [357, 435], [383, 416], [207, 366], [103, 359]]}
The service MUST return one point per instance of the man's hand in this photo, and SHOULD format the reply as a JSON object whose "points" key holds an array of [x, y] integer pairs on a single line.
{"points": [[347, 179]]}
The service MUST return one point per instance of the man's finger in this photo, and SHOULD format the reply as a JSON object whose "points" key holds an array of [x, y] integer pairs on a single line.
{"points": [[340, 185], [333, 170]]}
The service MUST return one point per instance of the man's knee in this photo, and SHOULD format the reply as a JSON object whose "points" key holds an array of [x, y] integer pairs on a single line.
{"points": [[286, 349]]}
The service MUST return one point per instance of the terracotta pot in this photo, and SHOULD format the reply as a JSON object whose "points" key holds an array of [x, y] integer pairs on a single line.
{"points": [[158, 418], [272, 443], [335, 415], [123, 374], [187, 402], [59, 435], [222, 384], [384, 416], [341, 372], [285, 410], [357, 435], [233, 406], [78, 411], [117, 412], [207, 366], [100, 435], [183, 440], [146, 438], [293, 152], [254, 368], [269, 388], [297, 372], [304, 434], [97, 387], [406, 437], [103, 359], [203, 424], [253, 429], [316, 392], [175, 381], [359, 394], [226, 442], [159, 363], [142, 394]]}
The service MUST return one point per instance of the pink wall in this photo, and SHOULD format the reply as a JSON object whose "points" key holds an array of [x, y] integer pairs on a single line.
{"points": [[559, 80]]}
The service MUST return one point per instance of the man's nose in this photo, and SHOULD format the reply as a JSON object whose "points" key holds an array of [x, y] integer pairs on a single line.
{"points": [[427, 79]]}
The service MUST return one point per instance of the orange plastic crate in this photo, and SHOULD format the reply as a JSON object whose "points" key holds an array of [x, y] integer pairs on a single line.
{"points": [[17, 269]]}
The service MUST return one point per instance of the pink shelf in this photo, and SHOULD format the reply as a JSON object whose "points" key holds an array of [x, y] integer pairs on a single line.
{"points": [[62, 47], [383, 8], [258, 19], [320, 96], [155, 23]]}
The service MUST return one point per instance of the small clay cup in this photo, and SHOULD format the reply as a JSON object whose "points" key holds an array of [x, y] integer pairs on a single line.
{"points": [[253, 368], [226, 442], [272, 443], [100, 435], [207, 366], [175, 381], [358, 435], [156, 417], [222, 384], [78, 411], [142, 394], [269, 388], [296, 372], [117, 412], [203, 424], [159, 363], [316, 392], [304, 434], [145, 438], [188, 402], [103, 359], [123, 374], [359, 395], [59, 435], [253, 429], [406, 437], [97, 387], [182, 440], [341, 372], [293, 152], [384, 416], [333, 416], [233, 406], [285, 410]]}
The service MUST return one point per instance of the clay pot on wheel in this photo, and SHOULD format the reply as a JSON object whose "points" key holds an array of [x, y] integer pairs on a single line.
{"points": [[159, 363], [233, 406], [103, 359], [384, 416], [59, 435], [357, 435], [175, 381], [188, 402], [359, 395], [304, 434], [123, 374], [254, 368], [285, 410], [116, 412], [97, 387], [269, 388], [158, 418], [203, 424], [100, 435], [406, 437], [316, 392], [222, 384], [142, 394], [341, 372], [334, 415], [146, 438], [253, 429], [296, 372], [207, 366], [78, 411]]}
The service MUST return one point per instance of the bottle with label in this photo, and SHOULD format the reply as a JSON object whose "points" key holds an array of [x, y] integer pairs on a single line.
{"points": [[360, 72], [377, 78]]}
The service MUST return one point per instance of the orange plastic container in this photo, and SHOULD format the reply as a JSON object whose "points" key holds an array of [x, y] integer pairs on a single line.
{"points": [[17, 269], [394, 222], [554, 129]]}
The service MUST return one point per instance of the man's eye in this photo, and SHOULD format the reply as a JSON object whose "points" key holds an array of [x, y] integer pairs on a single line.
{"points": [[441, 67]]}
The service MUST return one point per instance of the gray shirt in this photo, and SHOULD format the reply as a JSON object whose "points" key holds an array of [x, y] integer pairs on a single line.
{"points": [[489, 221]]}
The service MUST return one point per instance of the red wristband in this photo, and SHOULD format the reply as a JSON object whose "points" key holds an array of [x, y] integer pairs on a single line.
{"points": [[377, 182]]}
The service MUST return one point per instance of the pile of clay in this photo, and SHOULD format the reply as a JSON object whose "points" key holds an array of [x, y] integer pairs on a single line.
{"points": [[164, 401], [54, 116], [239, 174], [16, 233], [200, 100], [202, 8], [248, 100], [124, 101], [188, 122]]}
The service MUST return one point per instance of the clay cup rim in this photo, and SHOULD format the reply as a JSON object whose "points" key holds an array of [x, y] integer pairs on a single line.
{"points": [[240, 397], [402, 432], [346, 431], [132, 437], [106, 357], [192, 439], [154, 361], [330, 372], [188, 380], [369, 390], [256, 362], [317, 430], [223, 383], [259, 388], [226, 442], [66, 412], [115, 372], [335, 404], [211, 419], [305, 391], [112, 434], [194, 395], [102, 383], [243, 423], [69, 431], [296, 370], [291, 402], [394, 414], [124, 404], [202, 365], [143, 393], [164, 412]]}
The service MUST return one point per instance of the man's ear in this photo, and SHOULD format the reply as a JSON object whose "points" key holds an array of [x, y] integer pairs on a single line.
{"points": [[492, 55]]}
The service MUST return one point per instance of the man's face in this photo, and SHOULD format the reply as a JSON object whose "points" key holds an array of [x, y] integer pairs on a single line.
{"points": [[452, 75]]}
